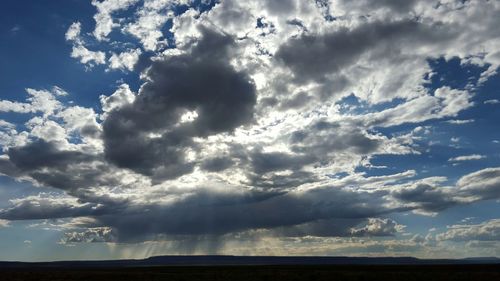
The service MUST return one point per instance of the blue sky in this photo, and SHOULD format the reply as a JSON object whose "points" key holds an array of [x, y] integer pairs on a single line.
{"points": [[147, 127]]}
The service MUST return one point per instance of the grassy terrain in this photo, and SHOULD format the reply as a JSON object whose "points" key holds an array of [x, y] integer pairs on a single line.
{"points": [[274, 273]]}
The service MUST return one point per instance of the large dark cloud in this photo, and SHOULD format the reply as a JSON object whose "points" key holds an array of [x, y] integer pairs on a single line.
{"points": [[212, 213], [426, 197], [278, 161], [42, 154], [36, 207], [51, 165], [312, 56], [480, 185], [201, 80]]}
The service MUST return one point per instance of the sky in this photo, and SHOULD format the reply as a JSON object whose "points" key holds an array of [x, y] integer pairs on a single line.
{"points": [[133, 128]]}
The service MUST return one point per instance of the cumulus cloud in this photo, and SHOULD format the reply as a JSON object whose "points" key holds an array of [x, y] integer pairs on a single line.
{"points": [[44, 101], [88, 57], [201, 80], [103, 18], [79, 51], [378, 227], [125, 61]]}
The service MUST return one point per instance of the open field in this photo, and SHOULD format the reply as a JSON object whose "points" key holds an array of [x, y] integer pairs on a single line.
{"points": [[274, 273]]}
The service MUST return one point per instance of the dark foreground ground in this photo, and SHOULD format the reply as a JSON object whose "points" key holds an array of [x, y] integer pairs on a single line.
{"points": [[273, 273]]}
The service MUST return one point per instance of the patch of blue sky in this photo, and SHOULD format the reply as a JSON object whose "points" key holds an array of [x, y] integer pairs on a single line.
{"points": [[10, 189], [38, 57], [352, 105], [454, 73], [21, 237], [445, 141]]}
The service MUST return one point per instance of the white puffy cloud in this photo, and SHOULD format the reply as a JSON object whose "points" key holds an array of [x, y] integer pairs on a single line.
{"points": [[122, 96], [151, 18], [104, 18], [88, 57], [125, 60], [378, 227], [44, 101], [73, 32], [79, 51]]}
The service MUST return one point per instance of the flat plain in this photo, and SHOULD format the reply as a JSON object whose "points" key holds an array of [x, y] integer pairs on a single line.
{"points": [[259, 272]]}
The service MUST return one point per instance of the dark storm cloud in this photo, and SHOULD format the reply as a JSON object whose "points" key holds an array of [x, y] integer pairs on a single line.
{"points": [[42, 154], [296, 102], [264, 165], [320, 228], [217, 164], [278, 161], [426, 197], [51, 166], [311, 56], [32, 208], [217, 213], [274, 181], [201, 80]]}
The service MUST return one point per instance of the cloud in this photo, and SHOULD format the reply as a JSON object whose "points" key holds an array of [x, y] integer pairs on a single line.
{"points": [[88, 57], [460, 122], [103, 17], [47, 206], [44, 101], [219, 213], [445, 102], [314, 56], [485, 231], [40, 154], [425, 196], [429, 195], [4, 223], [480, 185], [90, 235], [152, 16], [493, 101], [205, 82], [125, 60], [467, 158], [378, 227], [79, 51], [121, 97], [366, 5], [73, 32]]}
